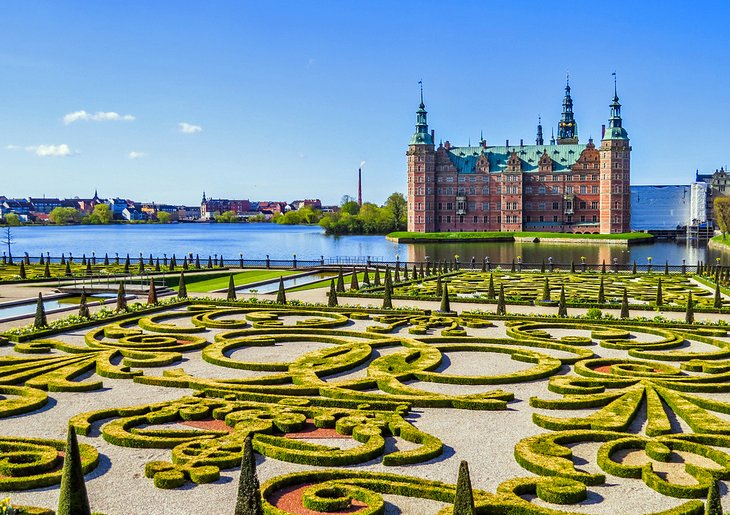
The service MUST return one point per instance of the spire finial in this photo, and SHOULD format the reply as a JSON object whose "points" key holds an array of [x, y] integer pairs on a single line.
{"points": [[615, 93], [420, 83], [567, 79]]}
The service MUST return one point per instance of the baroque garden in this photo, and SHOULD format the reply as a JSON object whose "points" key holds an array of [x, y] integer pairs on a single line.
{"points": [[566, 391]]}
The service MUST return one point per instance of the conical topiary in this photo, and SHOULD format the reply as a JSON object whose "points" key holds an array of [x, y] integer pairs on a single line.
{"points": [[150, 261], [353, 280], [140, 268], [21, 272], [83, 307], [601, 293], [659, 297], [152, 293], [387, 302], [542, 266], [126, 265], [157, 265], [248, 499], [210, 262], [332, 296], [281, 294], [340, 281], [491, 294], [231, 294], [121, 298], [603, 267], [41, 261], [185, 263], [512, 268], [633, 268], [464, 497], [439, 286], [546, 291], [197, 261], [376, 279], [40, 313], [47, 271], [106, 259], [182, 289], [572, 267], [562, 308], [67, 272], [666, 268], [397, 271], [73, 499], [445, 304], [501, 304], [366, 278], [717, 303], [624, 305], [88, 268], [689, 315], [63, 260]]}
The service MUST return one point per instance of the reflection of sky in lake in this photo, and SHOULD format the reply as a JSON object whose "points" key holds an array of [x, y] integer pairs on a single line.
{"points": [[255, 241]]}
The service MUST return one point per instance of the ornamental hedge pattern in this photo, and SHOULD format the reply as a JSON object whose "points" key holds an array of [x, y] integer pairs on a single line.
{"points": [[652, 397]]}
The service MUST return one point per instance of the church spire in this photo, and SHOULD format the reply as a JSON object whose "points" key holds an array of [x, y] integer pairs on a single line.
{"points": [[539, 140], [615, 123], [567, 128], [421, 136]]}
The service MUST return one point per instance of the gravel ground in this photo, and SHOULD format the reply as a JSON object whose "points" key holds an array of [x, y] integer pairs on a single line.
{"points": [[485, 439]]}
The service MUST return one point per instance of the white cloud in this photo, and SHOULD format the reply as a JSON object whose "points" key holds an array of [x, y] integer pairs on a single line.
{"points": [[189, 128], [99, 116], [135, 155], [61, 150]]}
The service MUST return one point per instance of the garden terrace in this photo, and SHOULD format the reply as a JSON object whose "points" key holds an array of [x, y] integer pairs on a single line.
{"points": [[355, 409]]}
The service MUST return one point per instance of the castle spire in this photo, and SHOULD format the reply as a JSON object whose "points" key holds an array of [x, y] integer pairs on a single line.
{"points": [[567, 128], [421, 136], [552, 136], [204, 199], [615, 123], [539, 140]]}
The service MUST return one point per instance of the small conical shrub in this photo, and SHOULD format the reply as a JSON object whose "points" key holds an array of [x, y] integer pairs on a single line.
{"points": [[717, 303], [388, 283], [376, 279], [140, 268], [542, 266], [21, 272], [633, 268], [121, 298], [73, 499], [281, 294], [353, 280], [106, 259], [387, 302], [47, 271], [572, 267], [41, 261], [366, 278], [210, 262], [185, 263], [512, 268], [659, 296], [182, 289], [40, 313], [601, 293], [445, 304], [689, 315], [562, 308], [397, 272], [150, 261], [152, 293], [83, 307], [231, 294], [340, 281], [248, 498], [220, 262], [491, 294], [88, 268], [603, 267], [157, 265], [126, 265], [421, 272], [666, 268], [173, 262], [625, 305], [428, 268], [501, 304], [714, 504], [332, 296], [83, 259], [63, 260], [67, 272], [484, 265], [197, 261], [546, 291], [439, 286], [464, 497]]}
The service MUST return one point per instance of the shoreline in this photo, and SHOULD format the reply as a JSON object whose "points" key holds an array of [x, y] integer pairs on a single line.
{"points": [[564, 238]]}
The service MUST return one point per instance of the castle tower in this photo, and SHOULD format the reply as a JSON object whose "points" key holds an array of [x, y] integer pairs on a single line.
{"points": [[615, 174], [539, 140], [421, 168], [567, 128]]}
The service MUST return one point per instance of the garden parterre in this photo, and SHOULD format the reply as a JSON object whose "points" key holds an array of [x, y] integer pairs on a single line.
{"points": [[554, 415]]}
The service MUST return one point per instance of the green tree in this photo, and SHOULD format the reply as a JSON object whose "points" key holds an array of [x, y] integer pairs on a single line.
{"points": [[387, 301], [121, 298], [248, 498], [490, 292], [12, 220], [340, 282], [101, 215], [226, 217], [65, 216], [350, 207], [625, 305], [562, 308], [332, 296], [689, 315], [464, 497], [152, 293], [501, 304], [182, 290], [353, 280], [717, 303], [546, 291], [659, 296], [397, 209], [445, 304], [163, 217], [73, 499], [601, 293], [231, 295], [722, 213]]}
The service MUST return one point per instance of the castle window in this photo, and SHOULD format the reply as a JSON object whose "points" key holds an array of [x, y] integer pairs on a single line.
{"points": [[499, 219], [555, 218], [541, 190], [556, 205], [594, 189], [485, 206], [582, 218], [582, 205], [594, 204], [595, 218], [461, 219], [555, 190], [449, 206], [448, 219], [450, 179], [541, 218], [528, 189], [583, 189], [541, 206], [486, 219], [462, 178], [569, 189], [441, 218], [485, 190], [476, 219], [472, 190]]}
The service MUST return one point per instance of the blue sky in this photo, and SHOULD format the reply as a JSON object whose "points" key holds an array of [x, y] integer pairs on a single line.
{"points": [[284, 100]]}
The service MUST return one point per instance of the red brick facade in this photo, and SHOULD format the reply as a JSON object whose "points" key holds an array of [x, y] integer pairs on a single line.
{"points": [[569, 187]]}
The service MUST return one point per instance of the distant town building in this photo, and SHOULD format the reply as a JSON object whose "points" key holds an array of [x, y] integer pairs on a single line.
{"points": [[211, 207], [562, 186], [313, 203], [717, 186], [44, 205]]}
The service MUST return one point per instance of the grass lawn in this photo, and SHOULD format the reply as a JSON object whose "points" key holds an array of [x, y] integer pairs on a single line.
{"points": [[510, 235], [325, 283], [206, 283], [719, 239]]}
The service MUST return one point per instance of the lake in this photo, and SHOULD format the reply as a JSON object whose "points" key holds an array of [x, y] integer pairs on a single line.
{"points": [[256, 240]]}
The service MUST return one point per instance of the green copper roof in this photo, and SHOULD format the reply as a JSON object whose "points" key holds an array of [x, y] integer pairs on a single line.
{"points": [[616, 133], [421, 138], [563, 156]]}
